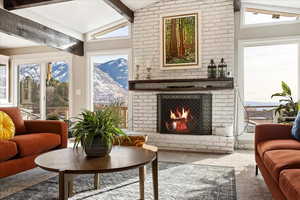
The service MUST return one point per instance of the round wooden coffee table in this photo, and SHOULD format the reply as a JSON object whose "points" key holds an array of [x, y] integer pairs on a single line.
{"points": [[69, 162]]}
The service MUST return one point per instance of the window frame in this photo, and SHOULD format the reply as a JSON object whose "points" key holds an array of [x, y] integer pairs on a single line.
{"points": [[7, 85], [89, 35], [242, 44], [267, 8], [89, 78], [42, 59]]}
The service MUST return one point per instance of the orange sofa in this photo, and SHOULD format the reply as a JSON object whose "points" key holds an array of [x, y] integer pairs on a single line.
{"points": [[277, 156], [32, 138]]}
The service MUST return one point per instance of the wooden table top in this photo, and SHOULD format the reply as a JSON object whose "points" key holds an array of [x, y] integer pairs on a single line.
{"points": [[75, 161]]}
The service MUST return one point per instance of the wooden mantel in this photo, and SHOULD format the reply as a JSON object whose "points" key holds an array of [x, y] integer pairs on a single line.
{"points": [[201, 84]]}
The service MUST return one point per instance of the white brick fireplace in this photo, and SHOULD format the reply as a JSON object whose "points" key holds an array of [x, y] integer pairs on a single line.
{"points": [[217, 40]]}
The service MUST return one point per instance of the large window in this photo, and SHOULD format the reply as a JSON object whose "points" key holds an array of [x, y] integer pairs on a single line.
{"points": [[110, 83], [260, 16], [264, 69], [43, 90], [4, 83]]}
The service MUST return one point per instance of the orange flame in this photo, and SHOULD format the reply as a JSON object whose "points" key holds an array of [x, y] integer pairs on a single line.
{"points": [[183, 114]]}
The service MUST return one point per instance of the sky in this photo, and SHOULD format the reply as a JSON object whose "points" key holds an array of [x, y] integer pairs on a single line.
{"points": [[105, 58], [264, 69]]}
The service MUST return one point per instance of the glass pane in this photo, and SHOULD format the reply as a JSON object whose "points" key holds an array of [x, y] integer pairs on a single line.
{"points": [[259, 18], [3, 82], [264, 69], [29, 90], [57, 91], [121, 32], [110, 83]]}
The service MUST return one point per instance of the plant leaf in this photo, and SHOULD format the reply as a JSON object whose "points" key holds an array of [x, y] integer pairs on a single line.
{"points": [[286, 89], [278, 95]]}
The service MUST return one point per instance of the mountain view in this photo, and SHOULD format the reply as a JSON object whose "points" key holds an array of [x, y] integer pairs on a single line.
{"points": [[111, 81]]}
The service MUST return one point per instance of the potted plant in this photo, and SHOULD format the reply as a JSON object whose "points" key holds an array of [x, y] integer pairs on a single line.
{"points": [[97, 131], [288, 108]]}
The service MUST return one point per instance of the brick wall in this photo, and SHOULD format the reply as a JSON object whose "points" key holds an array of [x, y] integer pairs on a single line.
{"points": [[217, 40]]}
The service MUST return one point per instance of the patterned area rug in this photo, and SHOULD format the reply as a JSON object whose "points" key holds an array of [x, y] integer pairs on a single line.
{"points": [[176, 181]]}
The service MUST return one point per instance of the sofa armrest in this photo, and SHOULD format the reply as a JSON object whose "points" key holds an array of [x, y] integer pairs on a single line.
{"points": [[49, 126], [264, 132]]}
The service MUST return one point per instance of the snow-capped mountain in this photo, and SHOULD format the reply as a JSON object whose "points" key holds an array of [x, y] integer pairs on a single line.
{"points": [[106, 90], [59, 71], [117, 70]]}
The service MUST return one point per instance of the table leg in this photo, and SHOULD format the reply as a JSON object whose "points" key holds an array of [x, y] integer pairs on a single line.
{"points": [[97, 181], [63, 186], [155, 178], [70, 179], [142, 173]]}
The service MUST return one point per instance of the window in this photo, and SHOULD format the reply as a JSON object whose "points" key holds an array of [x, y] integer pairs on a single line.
{"points": [[260, 16], [43, 90], [57, 90], [118, 31], [4, 74], [29, 89], [110, 83], [264, 69]]}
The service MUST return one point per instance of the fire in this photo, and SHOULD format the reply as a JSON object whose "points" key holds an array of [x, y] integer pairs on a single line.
{"points": [[179, 114], [179, 120]]}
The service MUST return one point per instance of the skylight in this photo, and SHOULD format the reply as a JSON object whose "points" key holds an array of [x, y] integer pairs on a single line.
{"points": [[118, 31]]}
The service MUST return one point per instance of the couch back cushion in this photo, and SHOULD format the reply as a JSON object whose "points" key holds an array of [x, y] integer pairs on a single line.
{"points": [[15, 115]]}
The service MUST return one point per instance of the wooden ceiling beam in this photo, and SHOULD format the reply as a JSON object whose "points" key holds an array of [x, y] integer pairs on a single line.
{"points": [[121, 8], [18, 4], [237, 5], [30, 30]]}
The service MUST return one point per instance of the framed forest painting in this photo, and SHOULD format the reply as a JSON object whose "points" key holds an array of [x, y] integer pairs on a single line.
{"points": [[180, 41]]}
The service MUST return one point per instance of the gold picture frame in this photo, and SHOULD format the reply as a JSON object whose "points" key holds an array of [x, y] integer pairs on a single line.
{"points": [[180, 41]]}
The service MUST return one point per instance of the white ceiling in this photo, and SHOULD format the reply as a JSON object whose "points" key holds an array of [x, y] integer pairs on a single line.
{"points": [[283, 3], [8, 41], [72, 17]]}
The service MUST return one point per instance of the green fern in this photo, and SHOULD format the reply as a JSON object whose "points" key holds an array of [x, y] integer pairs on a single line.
{"points": [[102, 124]]}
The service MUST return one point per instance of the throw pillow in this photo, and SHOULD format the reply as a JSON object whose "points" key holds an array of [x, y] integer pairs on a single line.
{"points": [[296, 128], [7, 127]]}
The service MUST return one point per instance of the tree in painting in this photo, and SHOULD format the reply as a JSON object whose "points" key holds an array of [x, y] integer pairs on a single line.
{"points": [[180, 35]]}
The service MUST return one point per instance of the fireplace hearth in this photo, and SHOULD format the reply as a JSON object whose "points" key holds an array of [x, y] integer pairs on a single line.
{"points": [[189, 114]]}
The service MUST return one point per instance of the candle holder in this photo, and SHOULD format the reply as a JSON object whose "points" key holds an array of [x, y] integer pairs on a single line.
{"points": [[148, 73], [137, 75]]}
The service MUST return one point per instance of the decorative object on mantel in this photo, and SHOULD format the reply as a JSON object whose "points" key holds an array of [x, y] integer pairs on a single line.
{"points": [[137, 75], [203, 84], [148, 73], [222, 69], [180, 48], [212, 69]]}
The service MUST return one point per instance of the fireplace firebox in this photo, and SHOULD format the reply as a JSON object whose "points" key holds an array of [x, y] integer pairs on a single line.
{"points": [[189, 114]]}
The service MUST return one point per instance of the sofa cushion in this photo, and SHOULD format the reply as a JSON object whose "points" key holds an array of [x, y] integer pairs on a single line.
{"points": [[289, 183], [8, 150], [16, 116], [31, 144], [277, 145], [278, 160]]}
